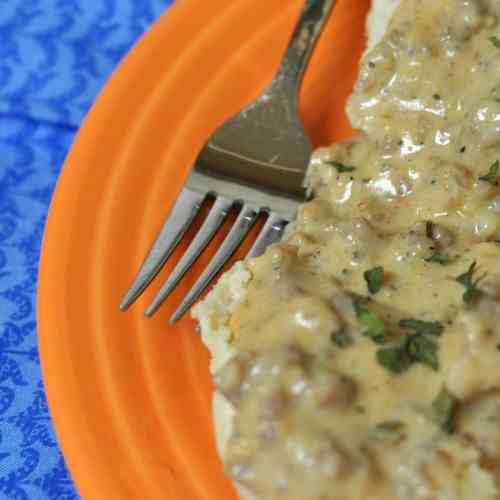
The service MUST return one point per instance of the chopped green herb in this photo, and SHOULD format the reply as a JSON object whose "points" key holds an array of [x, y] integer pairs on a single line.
{"points": [[471, 295], [390, 425], [443, 408], [423, 350], [495, 41], [374, 278], [439, 258], [374, 326], [422, 327], [395, 359], [417, 347], [491, 176], [466, 279], [341, 168], [389, 430], [342, 339]]}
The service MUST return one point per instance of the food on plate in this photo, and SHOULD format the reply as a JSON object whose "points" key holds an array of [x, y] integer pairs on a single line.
{"points": [[360, 357]]}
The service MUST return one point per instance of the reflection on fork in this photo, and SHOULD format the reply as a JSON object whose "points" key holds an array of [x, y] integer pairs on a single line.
{"points": [[255, 161]]}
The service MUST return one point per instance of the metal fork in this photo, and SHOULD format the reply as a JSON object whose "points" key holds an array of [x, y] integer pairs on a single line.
{"points": [[255, 161]]}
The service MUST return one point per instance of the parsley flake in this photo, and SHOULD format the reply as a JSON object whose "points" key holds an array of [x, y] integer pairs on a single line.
{"points": [[390, 426], [340, 167], [374, 278], [466, 279], [395, 359], [374, 326], [342, 339], [422, 327], [443, 408], [439, 258], [416, 348], [495, 41], [491, 176], [423, 350]]}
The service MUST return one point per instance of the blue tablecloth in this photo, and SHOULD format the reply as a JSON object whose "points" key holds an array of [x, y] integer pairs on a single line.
{"points": [[55, 55]]}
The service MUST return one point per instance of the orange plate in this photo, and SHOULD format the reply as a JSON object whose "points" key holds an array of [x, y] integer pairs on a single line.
{"points": [[130, 397]]}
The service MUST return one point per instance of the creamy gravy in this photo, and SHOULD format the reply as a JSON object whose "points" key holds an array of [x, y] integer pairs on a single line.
{"points": [[394, 393]]}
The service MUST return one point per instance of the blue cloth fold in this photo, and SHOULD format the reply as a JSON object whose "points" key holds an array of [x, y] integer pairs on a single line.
{"points": [[55, 55]]}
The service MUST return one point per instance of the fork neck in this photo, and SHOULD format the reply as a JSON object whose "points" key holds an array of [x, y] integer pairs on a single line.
{"points": [[310, 24]]}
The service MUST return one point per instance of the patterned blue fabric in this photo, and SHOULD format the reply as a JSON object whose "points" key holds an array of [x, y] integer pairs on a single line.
{"points": [[55, 56]]}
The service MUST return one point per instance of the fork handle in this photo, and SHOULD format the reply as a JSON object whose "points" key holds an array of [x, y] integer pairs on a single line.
{"points": [[309, 26]]}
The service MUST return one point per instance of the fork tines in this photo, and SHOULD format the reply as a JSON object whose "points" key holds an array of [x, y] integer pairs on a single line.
{"points": [[178, 221]]}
